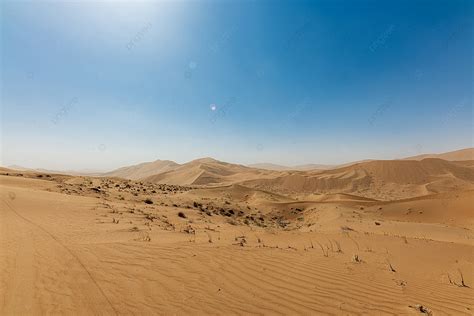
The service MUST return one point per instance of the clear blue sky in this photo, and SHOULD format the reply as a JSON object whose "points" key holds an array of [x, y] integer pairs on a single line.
{"points": [[99, 85]]}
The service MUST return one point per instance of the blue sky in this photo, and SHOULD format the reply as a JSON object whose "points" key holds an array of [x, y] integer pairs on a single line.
{"points": [[98, 85]]}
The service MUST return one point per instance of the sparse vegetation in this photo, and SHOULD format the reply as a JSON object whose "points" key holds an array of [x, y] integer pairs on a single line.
{"points": [[356, 259], [392, 269], [209, 237], [459, 284], [325, 250], [346, 228], [338, 246], [144, 236], [422, 309]]}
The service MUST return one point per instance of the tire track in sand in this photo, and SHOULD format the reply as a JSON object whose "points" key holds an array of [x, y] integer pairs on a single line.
{"points": [[68, 250]]}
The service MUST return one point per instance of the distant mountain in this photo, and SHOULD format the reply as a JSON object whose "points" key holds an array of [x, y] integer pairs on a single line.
{"points": [[142, 170], [314, 167], [91, 173], [270, 166], [19, 168], [457, 155]]}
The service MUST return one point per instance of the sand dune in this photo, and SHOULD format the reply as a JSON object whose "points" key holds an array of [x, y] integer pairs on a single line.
{"points": [[457, 155], [388, 179], [148, 169], [85, 172], [142, 170], [455, 208], [208, 171]]}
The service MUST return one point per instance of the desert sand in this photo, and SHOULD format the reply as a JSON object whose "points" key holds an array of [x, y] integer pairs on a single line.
{"points": [[207, 237]]}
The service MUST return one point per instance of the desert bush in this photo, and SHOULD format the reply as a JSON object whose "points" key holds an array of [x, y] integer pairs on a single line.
{"points": [[144, 236], [209, 237], [338, 246], [356, 259], [325, 250], [462, 283]]}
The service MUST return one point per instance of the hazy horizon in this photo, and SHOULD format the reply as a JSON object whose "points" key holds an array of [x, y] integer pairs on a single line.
{"points": [[104, 85], [92, 170]]}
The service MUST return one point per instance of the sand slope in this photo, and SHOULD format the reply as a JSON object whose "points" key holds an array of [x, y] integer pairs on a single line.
{"points": [[208, 171], [381, 179], [457, 155], [142, 170]]}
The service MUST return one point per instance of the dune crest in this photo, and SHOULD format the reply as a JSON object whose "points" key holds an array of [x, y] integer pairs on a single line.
{"points": [[142, 170], [457, 155]]}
